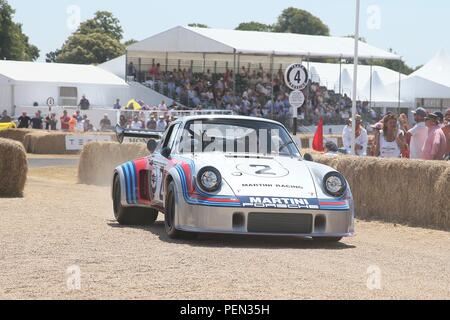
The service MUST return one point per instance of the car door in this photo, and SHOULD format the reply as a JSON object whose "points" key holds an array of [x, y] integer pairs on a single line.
{"points": [[160, 164]]}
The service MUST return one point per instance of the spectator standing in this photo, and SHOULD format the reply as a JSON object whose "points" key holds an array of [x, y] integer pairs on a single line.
{"points": [[65, 119], [362, 138], [117, 106], [151, 124], [73, 123], [389, 141], [84, 103], [132, 70], [136, 124], [24, 121], [51, 122], [161, 125], [446, 130], [5, 118], [436, 144], [36, 122], [105, 123], [418, 134]]}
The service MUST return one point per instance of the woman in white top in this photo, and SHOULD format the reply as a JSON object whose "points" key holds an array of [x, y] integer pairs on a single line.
{"points": [[390, 141]]}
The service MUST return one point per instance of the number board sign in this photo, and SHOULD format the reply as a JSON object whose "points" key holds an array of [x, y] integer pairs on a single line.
{"points": [[296, 77]]}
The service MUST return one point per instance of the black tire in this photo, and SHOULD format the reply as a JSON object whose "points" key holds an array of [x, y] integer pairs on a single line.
{"points": [[327, 240], [131, 216], [170, 215]]}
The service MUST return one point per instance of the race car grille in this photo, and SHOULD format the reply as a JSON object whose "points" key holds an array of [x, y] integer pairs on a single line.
{"points": [[283, 223]]}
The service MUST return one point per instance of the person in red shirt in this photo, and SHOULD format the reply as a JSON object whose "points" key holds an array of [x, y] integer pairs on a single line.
{"points": [[65, 119]]}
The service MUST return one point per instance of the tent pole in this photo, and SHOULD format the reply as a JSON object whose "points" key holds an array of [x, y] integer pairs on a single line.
{"points": [[167, 61], [13, 99], [340, 75], [399, 84], [204, 62], [371, 82], [234, 72], [355, 76], [271, 76]]}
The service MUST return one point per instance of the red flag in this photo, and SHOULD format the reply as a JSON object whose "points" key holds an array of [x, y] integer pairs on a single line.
{"points": [[318, 138]]}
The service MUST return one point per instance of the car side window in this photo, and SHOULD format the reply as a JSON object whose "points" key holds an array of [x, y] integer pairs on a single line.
{"points": [[171, 136]]}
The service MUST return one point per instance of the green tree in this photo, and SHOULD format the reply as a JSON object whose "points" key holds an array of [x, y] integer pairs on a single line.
{"points": [[94, 48], [295, 20], [255, 26], [14, 44], [198, 25], [97, 40], [103, 22]]}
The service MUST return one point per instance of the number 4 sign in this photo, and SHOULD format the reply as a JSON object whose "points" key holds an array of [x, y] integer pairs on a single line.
{"points": [[296, 77]]}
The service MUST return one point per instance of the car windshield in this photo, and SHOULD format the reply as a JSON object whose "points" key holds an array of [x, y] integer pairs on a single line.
{"points": [[233, 136]]}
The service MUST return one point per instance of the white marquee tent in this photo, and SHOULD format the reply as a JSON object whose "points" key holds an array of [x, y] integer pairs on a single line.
{"points": [[204, 40], [431, 81], [24, 83]]}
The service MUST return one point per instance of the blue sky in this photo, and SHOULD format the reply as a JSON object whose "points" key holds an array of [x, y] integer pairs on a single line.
{"points": [[415, 29]]}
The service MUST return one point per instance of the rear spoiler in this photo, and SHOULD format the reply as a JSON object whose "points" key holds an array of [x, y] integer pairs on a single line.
{"points": [[143, 134]]}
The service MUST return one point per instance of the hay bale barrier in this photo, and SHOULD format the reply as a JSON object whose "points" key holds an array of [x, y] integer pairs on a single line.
{"points": [[410, 192], [13, 168], [99, 159], [16, 134]]}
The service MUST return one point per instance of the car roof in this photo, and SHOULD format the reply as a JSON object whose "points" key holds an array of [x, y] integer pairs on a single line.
{"points": [[226, 117]]}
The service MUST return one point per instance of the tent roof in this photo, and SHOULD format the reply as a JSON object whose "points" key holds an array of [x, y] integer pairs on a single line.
{"points": [[379, 92], [436, 70], [203, 40], [18, 72]]}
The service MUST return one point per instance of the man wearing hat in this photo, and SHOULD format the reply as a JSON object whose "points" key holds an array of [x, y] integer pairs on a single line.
{"points": [[418, 134], [436, 143], [362, 138], [161, 125]]}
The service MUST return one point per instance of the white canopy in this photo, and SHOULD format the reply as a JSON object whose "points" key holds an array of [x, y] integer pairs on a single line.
{"points": [[18, 72], [203, 40], [430, 81], [378, 92]]}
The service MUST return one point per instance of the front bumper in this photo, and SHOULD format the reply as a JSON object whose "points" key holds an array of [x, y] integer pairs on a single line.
{"points": [[271, 222]]}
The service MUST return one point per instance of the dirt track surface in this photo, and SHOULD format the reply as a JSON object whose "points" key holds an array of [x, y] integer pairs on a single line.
{"points": [[60, 224]]}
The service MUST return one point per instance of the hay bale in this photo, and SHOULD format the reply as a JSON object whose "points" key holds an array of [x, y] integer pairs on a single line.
{"points": [[50, 142], [99, 159], [396, 190], [16, 134], [13, 168]]}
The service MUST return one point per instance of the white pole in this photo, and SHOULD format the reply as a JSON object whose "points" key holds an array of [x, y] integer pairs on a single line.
{"points": [[355, 77]]}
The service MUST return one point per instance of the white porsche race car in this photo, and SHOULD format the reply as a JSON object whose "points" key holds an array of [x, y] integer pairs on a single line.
{"points": [[231, 175]]}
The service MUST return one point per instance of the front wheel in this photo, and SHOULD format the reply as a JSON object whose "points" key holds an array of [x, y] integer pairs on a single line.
{"points": [[131, 216], [170, 216]]}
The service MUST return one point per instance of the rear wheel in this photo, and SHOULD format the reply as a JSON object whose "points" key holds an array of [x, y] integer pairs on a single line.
{"points": [[171, 214], [327, 240], [131, 216]]}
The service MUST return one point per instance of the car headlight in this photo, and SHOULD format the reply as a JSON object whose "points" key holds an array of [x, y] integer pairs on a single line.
{"points": [[334, 184], [209, 179]]}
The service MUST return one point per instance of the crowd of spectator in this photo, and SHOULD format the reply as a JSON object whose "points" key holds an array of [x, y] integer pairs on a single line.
{"points": [[67, 123], [395, 137], [254, 93]]}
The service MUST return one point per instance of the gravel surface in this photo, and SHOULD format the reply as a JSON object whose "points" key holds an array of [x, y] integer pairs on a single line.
{"points": [[60, 224]]}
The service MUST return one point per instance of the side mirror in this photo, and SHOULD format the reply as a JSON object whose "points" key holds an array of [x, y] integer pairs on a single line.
{"points": [[166, 152], [152, 145], [308, 157]]}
